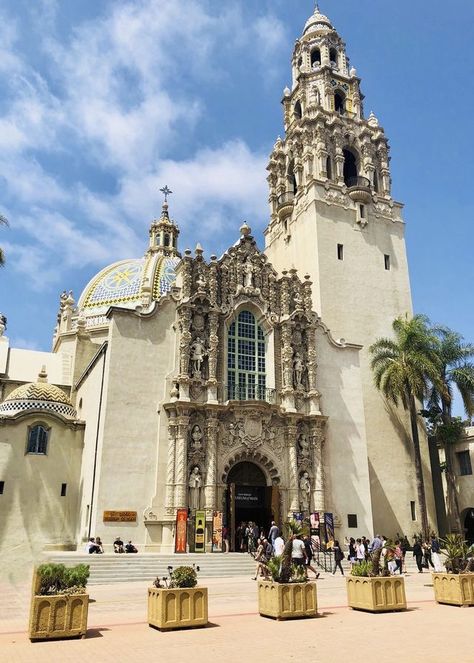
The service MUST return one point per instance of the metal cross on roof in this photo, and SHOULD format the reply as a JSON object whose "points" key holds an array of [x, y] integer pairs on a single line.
{"points": [[166, 191]]}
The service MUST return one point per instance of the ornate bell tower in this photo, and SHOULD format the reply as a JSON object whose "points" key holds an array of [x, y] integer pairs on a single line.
{"points": [[332, 216]]}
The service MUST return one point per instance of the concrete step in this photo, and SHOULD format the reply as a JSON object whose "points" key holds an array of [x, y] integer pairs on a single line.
{"points": [[111, 568]]}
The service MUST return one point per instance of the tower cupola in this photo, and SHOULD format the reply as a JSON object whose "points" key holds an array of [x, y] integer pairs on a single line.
{"points": [[164, 234]]}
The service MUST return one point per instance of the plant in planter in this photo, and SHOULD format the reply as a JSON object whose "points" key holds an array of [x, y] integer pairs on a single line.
{"points": [[371, 587], [175, 602], [456, 586], [59, 603], [288, 595]]}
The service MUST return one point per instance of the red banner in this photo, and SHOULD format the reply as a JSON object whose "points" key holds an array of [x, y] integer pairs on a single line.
{"points": [[217, 531], [181, 531]]}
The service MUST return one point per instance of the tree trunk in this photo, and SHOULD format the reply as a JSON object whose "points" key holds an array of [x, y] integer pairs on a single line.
{"points": [[420, 484], [454, 516]]}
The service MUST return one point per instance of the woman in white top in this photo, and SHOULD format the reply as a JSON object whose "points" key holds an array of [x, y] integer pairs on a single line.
{"points": [[360, 551]]}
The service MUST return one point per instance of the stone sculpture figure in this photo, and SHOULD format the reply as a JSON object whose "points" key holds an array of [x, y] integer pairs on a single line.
{"points": [[198, 353], [196, 438], [305, 491], [304, 446], [248, 270], [298, 368], [195, 484]]}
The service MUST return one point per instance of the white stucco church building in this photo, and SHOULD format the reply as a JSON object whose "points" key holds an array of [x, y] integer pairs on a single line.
{"points": [[177, 377]]}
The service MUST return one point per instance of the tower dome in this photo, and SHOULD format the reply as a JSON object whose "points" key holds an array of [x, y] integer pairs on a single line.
{"points": [[38, 395], [317, 22]]}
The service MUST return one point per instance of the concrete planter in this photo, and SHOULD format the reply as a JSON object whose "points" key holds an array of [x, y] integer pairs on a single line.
{"points": [[287, 601], [177, 608], [376, 594], [58, 617], [454, 589]]}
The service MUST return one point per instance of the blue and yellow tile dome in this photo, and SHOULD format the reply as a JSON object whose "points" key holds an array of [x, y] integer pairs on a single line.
{"points": [[124, 284]]}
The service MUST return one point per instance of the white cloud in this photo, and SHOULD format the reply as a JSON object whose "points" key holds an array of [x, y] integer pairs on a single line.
{"points": [[116, 99]]}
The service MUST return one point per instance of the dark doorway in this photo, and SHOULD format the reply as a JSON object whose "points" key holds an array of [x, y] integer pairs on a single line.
{"points": [[249, 499], [469, 525]]}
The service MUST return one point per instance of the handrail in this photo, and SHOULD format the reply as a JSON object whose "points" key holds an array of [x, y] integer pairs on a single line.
{"points": [[285, 198], [357, 181], [249, 392]]}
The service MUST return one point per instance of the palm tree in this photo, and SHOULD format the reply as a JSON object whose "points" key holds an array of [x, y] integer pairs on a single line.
{"points": [[456, 371], [3, 222], [403, 366]]}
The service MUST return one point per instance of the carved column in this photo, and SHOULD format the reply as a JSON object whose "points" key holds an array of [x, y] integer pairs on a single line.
{"points": [[213, 352], [184, 351], [211, 474], [313, 393], [318, 464], [288, 397], [181, 465], [291, 431], [170, 467]]}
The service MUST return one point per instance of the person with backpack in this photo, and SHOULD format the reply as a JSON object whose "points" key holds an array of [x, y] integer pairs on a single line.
{"points": [[338, 557], [309, 556]]}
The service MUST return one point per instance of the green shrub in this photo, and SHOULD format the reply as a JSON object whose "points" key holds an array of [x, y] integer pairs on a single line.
{"points": [[183, 576], [59, 579], [363, 569]]}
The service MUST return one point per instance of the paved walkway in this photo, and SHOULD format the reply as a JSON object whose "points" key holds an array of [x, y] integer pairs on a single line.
{"points": [[118, 630]]}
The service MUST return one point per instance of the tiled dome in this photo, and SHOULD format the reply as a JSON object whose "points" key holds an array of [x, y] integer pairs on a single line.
{"points": [[122, 284], [38, 396]]}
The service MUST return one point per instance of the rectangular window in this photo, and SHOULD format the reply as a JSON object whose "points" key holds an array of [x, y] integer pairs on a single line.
{"points": [[362, 211], [464, 461], [387, 261], [63, 489], [413, 510], [340, 251], [2, 486], [352, 520]]}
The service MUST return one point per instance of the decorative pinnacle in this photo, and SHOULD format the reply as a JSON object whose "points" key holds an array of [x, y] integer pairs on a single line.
{"points": [[166, 192], [42, 375]]}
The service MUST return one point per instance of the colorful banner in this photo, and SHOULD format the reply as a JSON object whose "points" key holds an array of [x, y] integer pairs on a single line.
{"points": [[181, 531], [217, 531], [315, 531], [329, 525], [298, 516], [200, 532]]}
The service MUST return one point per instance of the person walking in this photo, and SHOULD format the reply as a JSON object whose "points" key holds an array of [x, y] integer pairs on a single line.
{"points": [[427, 555], [436, 554], [273, 533], [360, 551], [338, 557], [261, 560], [279, 546], [298, 553], [398, 558], [418, 555], [351, 556], [309, 556]]}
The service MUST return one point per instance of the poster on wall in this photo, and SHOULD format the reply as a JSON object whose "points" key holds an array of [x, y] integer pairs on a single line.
{"points": [[200, 532], [217, 531], [181, 531], [329, 526], [315, 531]]}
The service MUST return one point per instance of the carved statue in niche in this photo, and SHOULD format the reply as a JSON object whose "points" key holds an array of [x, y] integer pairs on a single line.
{"points": [[198, 354], [196, 443], [304, 446], [305, 491], [201, 282], [195, 484], [298, 370], [248, 274]]}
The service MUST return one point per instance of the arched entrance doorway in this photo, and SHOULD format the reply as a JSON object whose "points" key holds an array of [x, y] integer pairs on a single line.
{"points": [[469, 525], [249, 500]]}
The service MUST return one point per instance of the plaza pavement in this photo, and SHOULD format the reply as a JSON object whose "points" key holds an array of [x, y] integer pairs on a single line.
{"points": [[118, 630]]}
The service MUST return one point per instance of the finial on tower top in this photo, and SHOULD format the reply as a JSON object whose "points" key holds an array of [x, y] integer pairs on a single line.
{"points": [[166, 192]]}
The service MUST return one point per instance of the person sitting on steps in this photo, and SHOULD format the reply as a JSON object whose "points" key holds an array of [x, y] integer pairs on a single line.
{"points": [[118, 545], [130, 548]]}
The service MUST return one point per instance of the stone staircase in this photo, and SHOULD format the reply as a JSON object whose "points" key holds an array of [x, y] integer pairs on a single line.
{"points": [[112, 568]]}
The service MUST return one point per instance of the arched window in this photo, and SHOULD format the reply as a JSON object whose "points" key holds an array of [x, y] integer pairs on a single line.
{"points": [[297, 111], [350, 168], [315, 57], [292, 184], [37, 440], [329, 168], [333, 56], [167, 239], [339, 103], [246, 378]]}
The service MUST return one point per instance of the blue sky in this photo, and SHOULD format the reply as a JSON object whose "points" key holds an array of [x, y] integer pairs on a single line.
{"points": [[104, 102]]}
